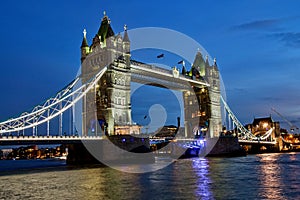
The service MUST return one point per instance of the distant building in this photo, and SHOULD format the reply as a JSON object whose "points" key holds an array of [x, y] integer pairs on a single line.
{"points": [[261, 125], [4, 153], [170, 130], [167, 131]]}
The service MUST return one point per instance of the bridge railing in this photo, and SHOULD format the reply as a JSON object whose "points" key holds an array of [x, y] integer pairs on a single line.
{"points": [[152, 67]]}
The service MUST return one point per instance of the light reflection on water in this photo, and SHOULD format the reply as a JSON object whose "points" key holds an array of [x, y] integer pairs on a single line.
{"points": [[265, 176], [270, 173], [201, 168]]}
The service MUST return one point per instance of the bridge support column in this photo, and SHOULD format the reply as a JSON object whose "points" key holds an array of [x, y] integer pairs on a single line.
{"points": [[112, 150], [48, 124], [78, 154], [226, 146]]}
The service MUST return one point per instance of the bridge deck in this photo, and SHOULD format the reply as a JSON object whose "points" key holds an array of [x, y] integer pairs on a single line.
{"points": [[39, 140], [257, 142], [150, 74]]}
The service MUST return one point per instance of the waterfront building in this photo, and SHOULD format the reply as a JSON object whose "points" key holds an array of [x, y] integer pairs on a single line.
{"points": [[261, 125]]}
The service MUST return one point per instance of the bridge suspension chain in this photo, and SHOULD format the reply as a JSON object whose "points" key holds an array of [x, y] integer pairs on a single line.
{"points": [[245, 132], [53, 107]]}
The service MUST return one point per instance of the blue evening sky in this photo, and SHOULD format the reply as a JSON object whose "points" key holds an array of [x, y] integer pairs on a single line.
{"points": [[256, 43]]}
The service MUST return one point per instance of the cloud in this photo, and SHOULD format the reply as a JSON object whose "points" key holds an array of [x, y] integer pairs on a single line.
{"points": [[266, 25], [290, 39]]}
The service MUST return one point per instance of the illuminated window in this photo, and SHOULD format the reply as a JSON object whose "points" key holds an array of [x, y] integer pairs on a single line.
{"points": [[265, 125], [198, 113]]}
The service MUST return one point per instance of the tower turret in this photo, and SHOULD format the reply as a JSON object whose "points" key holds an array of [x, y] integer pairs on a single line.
{"points": [[214, 95], [199, 63], [105, 31], [84, 47], [215, 66], [206, 62], [126, 38], [126, 46]]}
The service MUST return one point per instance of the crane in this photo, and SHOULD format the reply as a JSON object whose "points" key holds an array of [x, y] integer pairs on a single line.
{"points": [[292, 126]]}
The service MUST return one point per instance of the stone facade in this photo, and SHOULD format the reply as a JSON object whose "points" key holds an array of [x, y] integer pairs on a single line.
{"points": [[202, 105], [108, 104]]}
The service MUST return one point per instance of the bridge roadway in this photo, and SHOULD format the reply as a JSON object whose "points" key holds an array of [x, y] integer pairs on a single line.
{"points": [[29, 140], [41, 140], [51, 140], [249, 142]]}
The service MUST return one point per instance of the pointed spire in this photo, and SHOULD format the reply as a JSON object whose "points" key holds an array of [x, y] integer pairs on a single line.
{"points": [[199, 63], [105, 30], [84, 33], [215, 61], [84, 40], [215, 64], [183, 71], [207, 62], [125, 38], [206, 59], [104, 15]]}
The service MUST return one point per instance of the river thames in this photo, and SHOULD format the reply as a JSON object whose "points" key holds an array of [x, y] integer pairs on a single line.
{"points": [[261, 176]]}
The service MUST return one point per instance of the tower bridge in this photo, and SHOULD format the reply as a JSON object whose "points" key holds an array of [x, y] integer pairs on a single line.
{"points": [[103, 93]]}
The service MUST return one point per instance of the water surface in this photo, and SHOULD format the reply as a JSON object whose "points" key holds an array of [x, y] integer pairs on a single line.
{"points": [[263, 176]]}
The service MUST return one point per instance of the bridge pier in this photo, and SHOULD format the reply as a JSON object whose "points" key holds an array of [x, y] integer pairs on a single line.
{"points": [[226, 146], [78, 154], [116, 149]]}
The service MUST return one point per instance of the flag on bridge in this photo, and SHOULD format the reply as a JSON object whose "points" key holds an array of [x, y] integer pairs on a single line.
{"points": [[180, 62]]}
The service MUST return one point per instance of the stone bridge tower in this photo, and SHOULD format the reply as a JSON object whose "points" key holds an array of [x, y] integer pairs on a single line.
{"points": [[108, 104], [202, 106]]}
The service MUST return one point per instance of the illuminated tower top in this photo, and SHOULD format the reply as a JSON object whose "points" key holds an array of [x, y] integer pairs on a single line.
{"points": [[199, 63], [105, 31]]}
